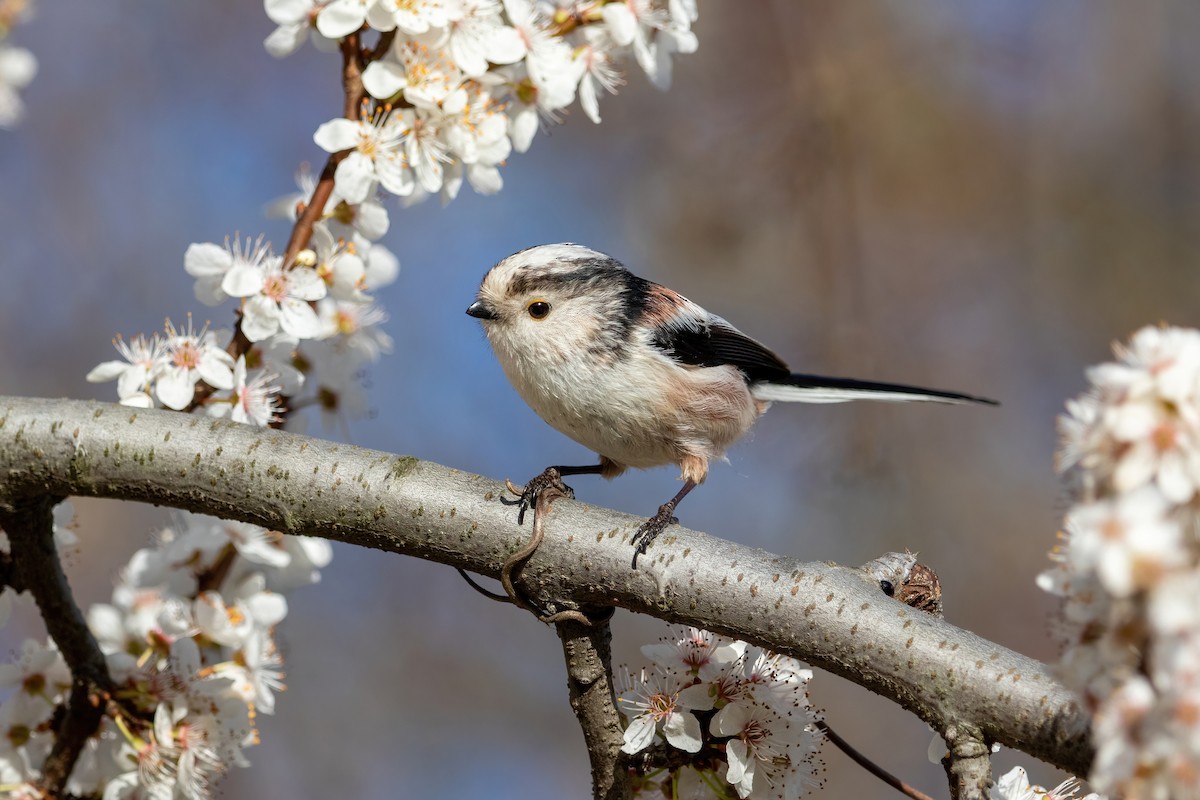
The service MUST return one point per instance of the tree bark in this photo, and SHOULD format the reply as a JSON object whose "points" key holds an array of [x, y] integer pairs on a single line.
{"points": [[835, 618]]}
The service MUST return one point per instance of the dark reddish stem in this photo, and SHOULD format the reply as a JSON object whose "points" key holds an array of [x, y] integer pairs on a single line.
{"points": [[870, 766]]}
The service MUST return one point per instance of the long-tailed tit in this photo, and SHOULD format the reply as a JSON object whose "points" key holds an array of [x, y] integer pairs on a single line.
{"points": [[637, 372]]}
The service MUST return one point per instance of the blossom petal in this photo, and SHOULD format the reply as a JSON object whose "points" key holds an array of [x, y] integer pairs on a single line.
{"points": [[285, 40], [485, 179], [505, 46], [682, 730], [621, 23], [205, 259], [382, 267], [354, 177], [242, 280], [260, 319], [698, 697], [741, 767], [372, 220], [287, 12], [304, 282], [175, 388], [107, 371], [337, 135], [216, 371], [341, 18], [394, 176], [639, 734], [298, 318], [382, 79]]}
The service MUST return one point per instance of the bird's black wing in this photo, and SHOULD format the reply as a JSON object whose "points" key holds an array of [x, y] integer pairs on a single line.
{"points": [[713, 343]]}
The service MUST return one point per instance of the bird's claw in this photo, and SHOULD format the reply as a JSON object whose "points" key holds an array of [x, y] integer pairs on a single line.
{"points": [[527, 497], [650, 529]]}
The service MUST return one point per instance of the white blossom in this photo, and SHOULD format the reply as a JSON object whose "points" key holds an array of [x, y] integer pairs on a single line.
{"points": [[191, 357], [252, 401], [375, 142], [295, 20], [232, 270], [765, 750], [1015, 785], [280, 302], [144, 361], [661, 702]]}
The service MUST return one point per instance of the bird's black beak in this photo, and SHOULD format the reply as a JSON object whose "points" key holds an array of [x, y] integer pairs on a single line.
{"points": [[481, 310]]}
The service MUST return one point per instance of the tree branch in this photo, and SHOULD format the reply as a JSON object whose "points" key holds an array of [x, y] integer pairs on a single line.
{"points": [[26, 516], [833, 617], [969, 763], [588, 653]]}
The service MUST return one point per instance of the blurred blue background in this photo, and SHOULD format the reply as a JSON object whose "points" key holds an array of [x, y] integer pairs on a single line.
{"points": [[978, 196]]}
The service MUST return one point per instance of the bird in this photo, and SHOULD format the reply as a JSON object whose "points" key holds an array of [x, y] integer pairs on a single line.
{"points": [[638, 373]]}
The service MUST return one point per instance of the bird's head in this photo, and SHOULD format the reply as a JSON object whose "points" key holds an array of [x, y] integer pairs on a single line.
{"points": [[556, 300]]}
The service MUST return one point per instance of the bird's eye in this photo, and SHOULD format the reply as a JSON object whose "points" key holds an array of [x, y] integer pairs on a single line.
{"points": [[538, 309]]}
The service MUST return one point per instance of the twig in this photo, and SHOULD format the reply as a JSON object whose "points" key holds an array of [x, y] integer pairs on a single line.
{"points": [[587, 649], [353, 63], [488, 593], [30, 527], [869, 765]]}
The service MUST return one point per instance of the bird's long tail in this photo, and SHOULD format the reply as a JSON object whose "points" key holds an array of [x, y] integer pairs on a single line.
{"points": [[822, 389]]}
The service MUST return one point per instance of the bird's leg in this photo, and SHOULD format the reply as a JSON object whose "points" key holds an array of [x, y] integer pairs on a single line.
{"points": [[551, 476], [656, 524]]}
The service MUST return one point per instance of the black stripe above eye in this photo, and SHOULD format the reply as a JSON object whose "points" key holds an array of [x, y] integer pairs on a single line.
{"points": [[588, 274]]}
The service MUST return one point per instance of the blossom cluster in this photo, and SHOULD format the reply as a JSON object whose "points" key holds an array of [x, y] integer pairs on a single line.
{"points": [[741, 712], [463, 83], [312, 326], [1129, 564], [1015, 785], [189, 641], [18, 66]]}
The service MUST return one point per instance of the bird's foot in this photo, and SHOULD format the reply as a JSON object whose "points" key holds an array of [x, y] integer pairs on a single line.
{"points": [[651, 528], [527, 497]]}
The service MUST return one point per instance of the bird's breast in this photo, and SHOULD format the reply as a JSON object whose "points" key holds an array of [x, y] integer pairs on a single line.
{"points": [[638, 411]]}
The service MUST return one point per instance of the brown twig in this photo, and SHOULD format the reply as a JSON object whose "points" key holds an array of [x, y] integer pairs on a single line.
{"points": [[354, 61], [210, 580], [30, 527], [869, 765]]}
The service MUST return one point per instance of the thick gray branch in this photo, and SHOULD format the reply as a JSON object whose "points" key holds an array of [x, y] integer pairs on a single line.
{"points": [[833, 617]]}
